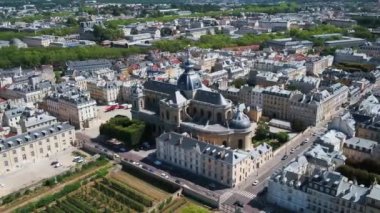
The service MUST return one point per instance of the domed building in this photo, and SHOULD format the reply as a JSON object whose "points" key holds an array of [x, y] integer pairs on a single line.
{"points": [[240, 121], [189, 106], [189, 81]]}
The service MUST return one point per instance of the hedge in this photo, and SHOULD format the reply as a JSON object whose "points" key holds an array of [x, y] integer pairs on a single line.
{"points": [[131, 132], [49, 199], [81, 205]]}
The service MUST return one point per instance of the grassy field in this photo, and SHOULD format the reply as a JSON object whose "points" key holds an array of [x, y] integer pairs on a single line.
{"points": [[183, 205]]}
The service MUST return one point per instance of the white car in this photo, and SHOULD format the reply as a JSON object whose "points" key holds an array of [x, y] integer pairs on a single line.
{"points": [[157, 162], [255, 183], [57, 165]]}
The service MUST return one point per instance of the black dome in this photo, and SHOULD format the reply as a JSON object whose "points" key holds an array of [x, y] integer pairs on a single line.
{"points": [[189, 80], [240, 121]]}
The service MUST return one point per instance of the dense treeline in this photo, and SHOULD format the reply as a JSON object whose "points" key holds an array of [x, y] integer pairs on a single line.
{"points": [[367, 21], [368, 164], [31, 57], [62, 31], [321, 29], [213, 41], [361, 176]]}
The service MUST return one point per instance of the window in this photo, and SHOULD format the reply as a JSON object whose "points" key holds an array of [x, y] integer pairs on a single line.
{"points": [[32, 153], [23, 149], [6, 163], [31, 145], [41, 150], [16, 160], [4, 155], [14, 151], [56, 145], [24, 156], [240, 145], [48, 148]]}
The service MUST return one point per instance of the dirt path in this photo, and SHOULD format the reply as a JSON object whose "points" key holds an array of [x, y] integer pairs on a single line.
{"points": [[17, 204]]}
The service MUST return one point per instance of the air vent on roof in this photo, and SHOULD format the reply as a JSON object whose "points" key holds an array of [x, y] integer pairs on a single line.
{"points": [[327, 180]]}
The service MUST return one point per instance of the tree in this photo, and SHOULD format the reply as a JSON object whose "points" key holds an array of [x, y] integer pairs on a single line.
{"points": [[71, 21], [282, 137], [262, 131], [238, 83]]}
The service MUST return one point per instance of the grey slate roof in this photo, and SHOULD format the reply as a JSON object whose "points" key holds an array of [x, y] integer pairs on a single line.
{"points": [[159, 86], [210, 97], [31, 136], [361, 142], [89, 65]]}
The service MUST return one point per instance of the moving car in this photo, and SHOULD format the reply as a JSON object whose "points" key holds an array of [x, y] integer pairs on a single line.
{"points": [[54, 163]]}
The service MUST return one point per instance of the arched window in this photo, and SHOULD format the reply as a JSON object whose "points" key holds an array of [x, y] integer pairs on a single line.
{"points": [[240, 144], [167, 115], [219, 117], [202, 113], [209, 114]]}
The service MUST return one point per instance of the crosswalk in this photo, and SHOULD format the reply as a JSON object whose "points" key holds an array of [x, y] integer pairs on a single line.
{"points": [[246, 194]]}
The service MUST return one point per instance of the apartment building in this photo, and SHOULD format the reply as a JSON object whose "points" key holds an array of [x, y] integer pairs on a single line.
{"points": [[369, 129], [315, 66], [307, 109], [358, 149], [34, 145], [300, 188], [34, 120], [72, 105], [217, 163], [103, 92], [276, 102]]}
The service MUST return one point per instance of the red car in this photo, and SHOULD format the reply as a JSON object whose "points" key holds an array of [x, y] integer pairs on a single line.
{"points": [[110, 108]]}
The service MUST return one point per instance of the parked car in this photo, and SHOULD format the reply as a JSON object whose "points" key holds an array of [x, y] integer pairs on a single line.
{"points": [[57, 165], [255, 183], [157, 162], [284, 157]]}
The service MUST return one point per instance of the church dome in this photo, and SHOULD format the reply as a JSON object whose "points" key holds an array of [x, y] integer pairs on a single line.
{"points": [[189, 80], [240, 121]]}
